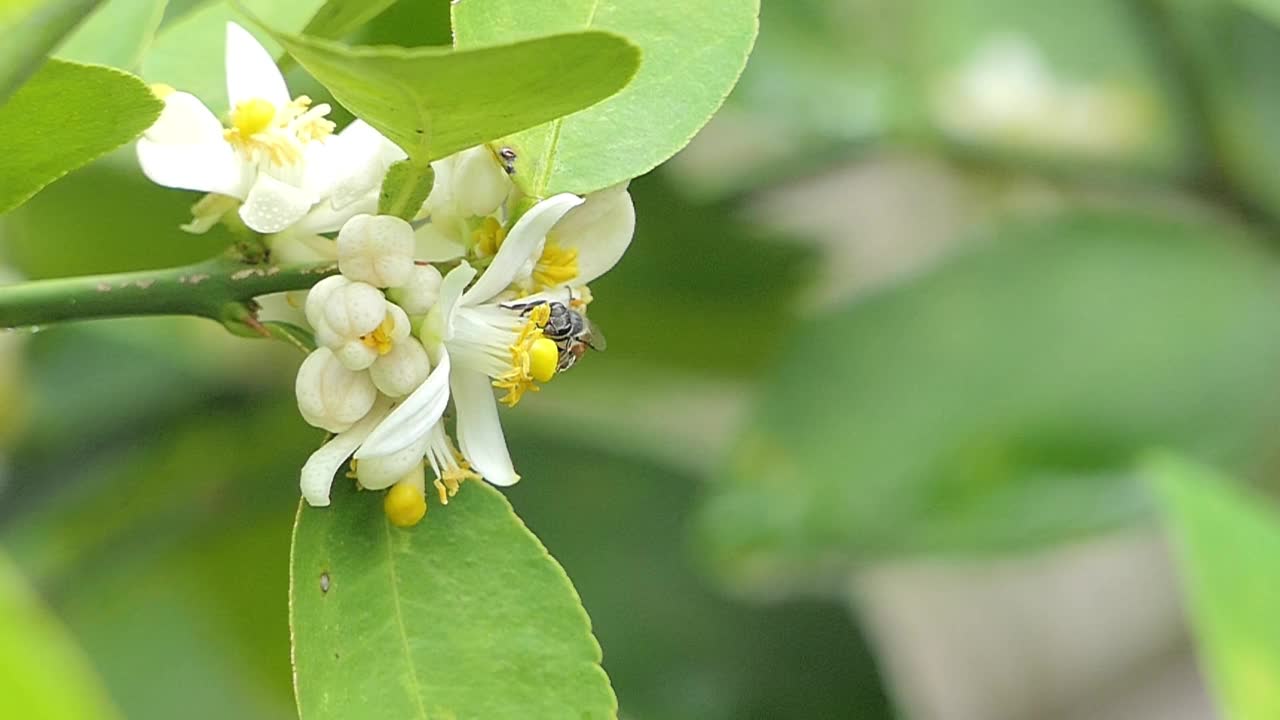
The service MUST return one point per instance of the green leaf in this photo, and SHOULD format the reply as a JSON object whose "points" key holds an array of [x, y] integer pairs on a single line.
{"points": [[999, 401], [405, 188], [42, 673], [434, 102], [693, 54], [465, 615], [67, 115], [189, 53], [336, 18], [117, 34], [1227, 543], [31, 30]]}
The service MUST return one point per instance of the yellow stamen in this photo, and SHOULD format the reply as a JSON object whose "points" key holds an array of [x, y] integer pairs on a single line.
{"points": [[487, 238], [380, 338], [259, 128], [405, 504], [520, 378], [162, 91], [557, 266]]}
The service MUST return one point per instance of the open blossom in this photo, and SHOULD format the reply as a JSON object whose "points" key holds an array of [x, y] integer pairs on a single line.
{"points": [[480, 338], [277, 160]]}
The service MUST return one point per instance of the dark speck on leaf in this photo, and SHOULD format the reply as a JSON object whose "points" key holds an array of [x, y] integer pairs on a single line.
{"points": [[324, 582]]}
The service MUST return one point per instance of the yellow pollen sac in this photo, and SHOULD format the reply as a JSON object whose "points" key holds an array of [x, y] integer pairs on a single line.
{"points": [[557, 266], [543, 358], [380, 338], [405, 505], [251, 117]]}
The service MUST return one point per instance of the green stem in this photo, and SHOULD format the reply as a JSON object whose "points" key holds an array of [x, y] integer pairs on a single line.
{"points": [[220, 289]]}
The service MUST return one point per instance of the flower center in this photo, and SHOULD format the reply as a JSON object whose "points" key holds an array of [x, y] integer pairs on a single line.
{"points": [[259, 130], [529, 344], [380, 338], [557, 266], [487, 238]]}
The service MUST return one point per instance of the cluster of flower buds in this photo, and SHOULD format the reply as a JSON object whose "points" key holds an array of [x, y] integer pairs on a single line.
{"points": [[483, 294]]}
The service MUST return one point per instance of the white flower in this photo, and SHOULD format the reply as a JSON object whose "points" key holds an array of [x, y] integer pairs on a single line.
{"points": [[419, 293], [355, 320], [329, 395], [469, 184], [376, 249], [317, 473], [274, 157], [486, 344]]}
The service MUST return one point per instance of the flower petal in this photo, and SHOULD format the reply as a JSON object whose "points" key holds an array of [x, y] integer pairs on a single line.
{"points": [[600, 230], [479, 430], [436, 246], [272, 205], [377, 473], [318, 472], [209, 167], [525, 239], [185, 121], [251, 72], [356, 161], [451, 293], [411, 420]]}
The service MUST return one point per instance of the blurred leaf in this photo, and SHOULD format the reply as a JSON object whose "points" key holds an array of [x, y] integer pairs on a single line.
{"points": [[998, 401], [1269, 9], [434, 102], [117, 34], [42, 673], [1227, 56], [693, 54], [105, 217], [1228, 547], [698, 289], [336, 18], [31, 29], [67, 115], [675, 647], [465, 615], [189, 52]]}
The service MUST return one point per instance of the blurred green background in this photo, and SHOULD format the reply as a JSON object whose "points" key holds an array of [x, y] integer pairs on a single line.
{"points": [[892, 339]]}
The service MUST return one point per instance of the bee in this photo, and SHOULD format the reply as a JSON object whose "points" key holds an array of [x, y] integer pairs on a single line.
{"points": [[569, 329]]}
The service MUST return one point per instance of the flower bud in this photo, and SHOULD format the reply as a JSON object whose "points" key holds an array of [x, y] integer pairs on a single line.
{"points": [[354, 310], [318, 297], [376, 249], [420, 292], [380, 472], [329, 395], [480, 183], [402, 370]]}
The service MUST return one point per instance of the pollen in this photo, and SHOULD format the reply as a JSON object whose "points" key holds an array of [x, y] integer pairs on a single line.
{"points": [[405, 504], [557, 266], [380, 338], [521, 378], [543, 358], [487, 238], [251, 117]]}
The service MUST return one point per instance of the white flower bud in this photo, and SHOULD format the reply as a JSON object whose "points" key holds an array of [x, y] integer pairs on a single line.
{"points": [[480, 184], [318, 297], [329, 395], [420, 292], [376, 473], [354, 310], [402, 370], [376, 249], [360, 352]]}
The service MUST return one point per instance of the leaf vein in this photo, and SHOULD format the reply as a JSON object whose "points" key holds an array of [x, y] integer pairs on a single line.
{"points": [[404, 634]]}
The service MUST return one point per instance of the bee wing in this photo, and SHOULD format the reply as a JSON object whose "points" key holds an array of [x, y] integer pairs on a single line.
{"points": [[594, 336]]}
